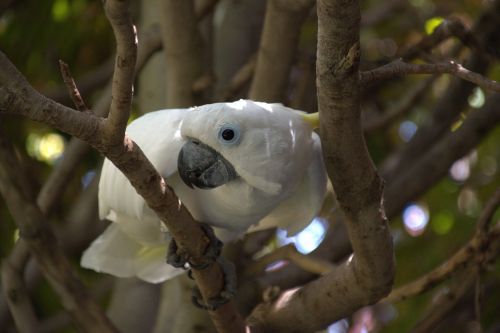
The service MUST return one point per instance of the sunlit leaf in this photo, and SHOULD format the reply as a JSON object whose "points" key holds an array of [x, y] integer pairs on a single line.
{"points": [[432, 23]]}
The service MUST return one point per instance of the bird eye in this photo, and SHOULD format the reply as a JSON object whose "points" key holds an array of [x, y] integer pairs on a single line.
{"points": [[229, 134]]}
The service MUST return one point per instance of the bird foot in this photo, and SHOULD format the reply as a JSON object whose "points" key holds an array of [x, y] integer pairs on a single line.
{"points": [[228, 291], [212, 252]]}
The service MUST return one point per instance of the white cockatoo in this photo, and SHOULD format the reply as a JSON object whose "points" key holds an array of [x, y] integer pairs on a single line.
{"points": [[241, 166]]}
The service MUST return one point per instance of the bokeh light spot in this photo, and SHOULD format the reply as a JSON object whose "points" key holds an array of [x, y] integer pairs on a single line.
{"points": [[460, 170], [15, 236], [468, 203], [442, 222], [47, 148], [407, 129], [308, 239], [415, 219], [476, 99], [87, 178], [341, 326]]}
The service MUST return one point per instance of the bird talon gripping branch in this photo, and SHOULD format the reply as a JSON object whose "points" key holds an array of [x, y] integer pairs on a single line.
{"points": [[174, 258], [228, 291], [212, 252]]}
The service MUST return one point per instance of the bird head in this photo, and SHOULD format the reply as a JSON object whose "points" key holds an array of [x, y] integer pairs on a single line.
{"points": [[264, 145]]}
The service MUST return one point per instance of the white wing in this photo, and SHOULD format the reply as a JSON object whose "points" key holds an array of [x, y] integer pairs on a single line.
{"points": [[296, 212], [158, 135], [134, 245], [115, 253]]}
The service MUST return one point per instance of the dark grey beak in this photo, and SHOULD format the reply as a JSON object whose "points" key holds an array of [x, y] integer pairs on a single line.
{"points": [[201, 166]]}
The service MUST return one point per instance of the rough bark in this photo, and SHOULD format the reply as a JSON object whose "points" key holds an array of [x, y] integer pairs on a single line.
{"points": [[368, 275]]}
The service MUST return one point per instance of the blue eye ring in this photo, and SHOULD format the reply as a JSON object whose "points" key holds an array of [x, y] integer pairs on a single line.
{"points": [[229, 134]]}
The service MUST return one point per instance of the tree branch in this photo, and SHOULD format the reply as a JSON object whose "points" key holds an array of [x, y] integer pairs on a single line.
{"points": [[452, 102], [446, 301], [118, 15], [182, 45], [368, 275], [398, 68], [35, 231], [448, 28], [479, 250], [289, 252], [283, 21], [15, 291], [240, 78], [401, 107], [71, 85], [435, 163]]}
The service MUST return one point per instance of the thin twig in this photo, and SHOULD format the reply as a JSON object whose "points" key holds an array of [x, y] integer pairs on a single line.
{"points": [[289, 252], [402, 106], [476, 250], [72, 88], [488, 211], [399, 68], [448, 28], [477, 299], [445, 302]]}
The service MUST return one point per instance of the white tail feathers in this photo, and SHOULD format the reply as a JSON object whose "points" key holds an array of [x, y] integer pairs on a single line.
{"points": [[115, 253]]}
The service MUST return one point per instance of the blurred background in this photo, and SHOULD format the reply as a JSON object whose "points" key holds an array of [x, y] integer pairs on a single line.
{"points": [[433, 207]]}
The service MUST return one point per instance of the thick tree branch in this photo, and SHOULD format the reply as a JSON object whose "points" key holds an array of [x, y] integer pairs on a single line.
{"points": [[399, 68], [278, 45], [368, 275], [182, 45]]}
